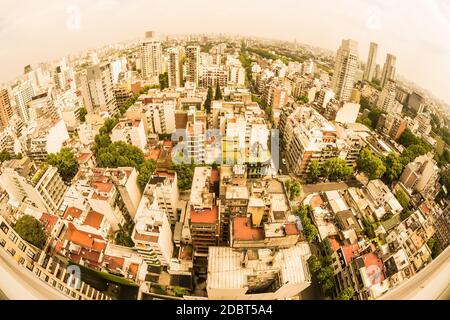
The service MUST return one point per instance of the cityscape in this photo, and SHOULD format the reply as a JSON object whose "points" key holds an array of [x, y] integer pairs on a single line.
{"points": [[211, 166]]}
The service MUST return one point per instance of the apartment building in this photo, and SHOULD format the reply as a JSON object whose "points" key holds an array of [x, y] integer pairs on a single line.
{"points": [[131, 132], [346, 64], [6, 111], [97, 89], [23, 93], [391, 125], [48, 136], [151, 55], [42, 188], [213, 75], [165, 189], [193, 64], [203, 215], [174, 67], [152, 235], [421, 175], [257, 274]]}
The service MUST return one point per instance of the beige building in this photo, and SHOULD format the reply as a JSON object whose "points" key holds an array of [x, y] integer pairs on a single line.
{"points": [[346, 64]]}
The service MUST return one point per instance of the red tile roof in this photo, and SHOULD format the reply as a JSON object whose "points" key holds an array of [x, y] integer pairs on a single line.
{"points": [[102, 186], [73, 212], [205, 215], [374, 267], [243, 230], [291, 229], [153, 154], [316, 201], [49, 221], [93, 219], [114, 262], [84, 239], [145, 237]]}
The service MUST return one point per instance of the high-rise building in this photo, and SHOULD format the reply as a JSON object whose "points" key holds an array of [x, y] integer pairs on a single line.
{"points": [[386, 101], [388, 69], [5, 109], [97, 89], [391, 125], [151, 56], [369, 72], [345, 68], [41, 188], [173, 68], [192, 64], [23, 94]]}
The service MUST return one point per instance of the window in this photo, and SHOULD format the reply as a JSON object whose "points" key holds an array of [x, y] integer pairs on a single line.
{"points": [[13, 237], [4, 227], [31, 254], [2, 242], [11, 251], [22, 246]]}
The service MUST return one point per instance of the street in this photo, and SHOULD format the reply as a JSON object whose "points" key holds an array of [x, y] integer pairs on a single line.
{"points": [[328, 186], [18, 283]]}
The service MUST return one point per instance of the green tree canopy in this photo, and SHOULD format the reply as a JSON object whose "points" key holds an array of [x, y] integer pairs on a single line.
{"points": [[394, 167], [145, 172], [83, 113], [185, 174], [218, 95], [163, 80], [120, 154], [370, 164], [314, 171], [31, 230], [123, 235], [209, 97], [346, 294], [65, 162], [336, 169]]}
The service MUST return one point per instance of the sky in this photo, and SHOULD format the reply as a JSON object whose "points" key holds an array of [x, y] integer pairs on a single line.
{"points": [[416, 31]]}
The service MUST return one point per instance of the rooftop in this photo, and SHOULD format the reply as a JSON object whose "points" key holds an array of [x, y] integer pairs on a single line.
{"points": [[204, 215], [243, 230]]}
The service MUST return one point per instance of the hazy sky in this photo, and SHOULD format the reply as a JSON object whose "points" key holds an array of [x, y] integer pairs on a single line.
{"points": [[416, 31]]}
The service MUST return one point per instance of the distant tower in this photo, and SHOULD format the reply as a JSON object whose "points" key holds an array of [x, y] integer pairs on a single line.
{"points": [[192, 64], [345, 67], [151, 56], [369, 72], [388, 69], [5, 109], [173, 68]]}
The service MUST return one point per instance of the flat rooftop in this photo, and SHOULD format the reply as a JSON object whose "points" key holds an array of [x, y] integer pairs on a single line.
{"points": [[205, 215], [243, 230]]}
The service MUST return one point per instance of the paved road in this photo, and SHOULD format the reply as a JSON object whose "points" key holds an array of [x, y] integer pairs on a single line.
{"points": [[431, 283], [328, 186], [18, 283]]}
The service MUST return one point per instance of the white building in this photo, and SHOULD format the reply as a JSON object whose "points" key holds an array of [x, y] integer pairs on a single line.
{"points": [[348, 112], [152, 235], [345, 68], [23, 94], [151, 55], [259, 274], [131, 132]]}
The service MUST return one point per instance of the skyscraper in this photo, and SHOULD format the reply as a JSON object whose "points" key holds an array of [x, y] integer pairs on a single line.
{"points": [[369, 72], [97, 89], [192, 64], [151, 56], [23, 94], [346, 64], [5, 109], [173, 68], [388, 69]]}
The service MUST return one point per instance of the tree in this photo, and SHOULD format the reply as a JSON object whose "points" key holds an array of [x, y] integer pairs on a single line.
{"points": [[367, 122], [218, 95], [31, 230], [294, 188], [65, 162], [314, 171], [163, 81], [314, 263], [309, 230], [4, 156], [394, 167], [209, 96], [123, 235], [185, 174], [336, 169], [346, 294], [119, 154], [83, 113], [370, 164], [303, 99], [402, 199], [374, 115], [146, 170], [108, 125]]}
